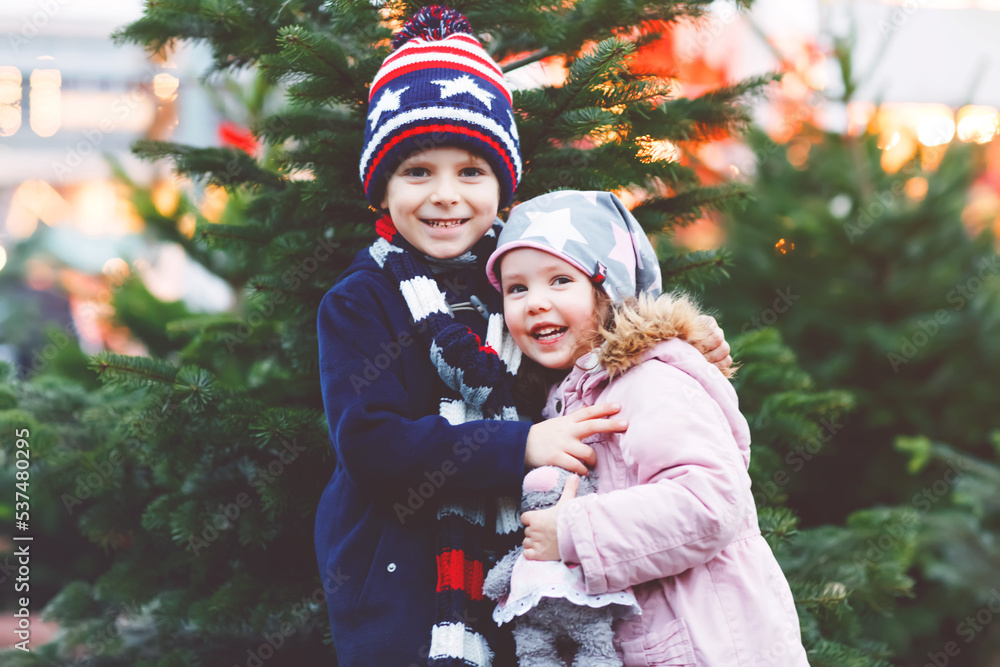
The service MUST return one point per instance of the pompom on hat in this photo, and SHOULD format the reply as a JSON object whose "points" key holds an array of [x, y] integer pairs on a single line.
{"points": [[439, 87], [593, 231]]}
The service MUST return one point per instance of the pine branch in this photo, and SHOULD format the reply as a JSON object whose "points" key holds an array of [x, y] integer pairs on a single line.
{"points": [[686, 207], [224, 167], [717, 113], [592, 70], [134, 371]]}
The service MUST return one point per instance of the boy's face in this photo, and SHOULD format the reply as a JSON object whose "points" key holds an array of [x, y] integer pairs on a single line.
{"points": [[549, 307], [443, 200]]}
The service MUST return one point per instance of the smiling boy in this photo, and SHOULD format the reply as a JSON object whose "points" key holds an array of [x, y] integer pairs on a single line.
{"points": [[429, 452]]}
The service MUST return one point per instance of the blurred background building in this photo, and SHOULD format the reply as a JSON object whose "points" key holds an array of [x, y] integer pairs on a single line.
{"points": [[72, 102]]}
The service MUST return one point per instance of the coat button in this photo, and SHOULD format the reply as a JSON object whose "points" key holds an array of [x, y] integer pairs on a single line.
{"points": [[559, 407], [392, 567]]}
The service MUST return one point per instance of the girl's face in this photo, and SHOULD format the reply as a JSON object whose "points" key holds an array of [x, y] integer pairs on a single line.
{"points": [[443, 200], [549, 307]]}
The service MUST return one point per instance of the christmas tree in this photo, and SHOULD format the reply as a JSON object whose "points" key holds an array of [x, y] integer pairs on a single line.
{"points": [[208, 456], [877, 268]]}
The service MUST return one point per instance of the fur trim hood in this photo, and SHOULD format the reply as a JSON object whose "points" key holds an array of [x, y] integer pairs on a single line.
{"points": [[639, 324]]}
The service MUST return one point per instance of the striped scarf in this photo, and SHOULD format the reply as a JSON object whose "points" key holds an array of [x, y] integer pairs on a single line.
{"points": [[477, 378]]}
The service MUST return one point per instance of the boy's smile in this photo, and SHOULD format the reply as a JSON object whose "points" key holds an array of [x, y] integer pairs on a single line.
{"points": [[442, 200], [549, 307]]}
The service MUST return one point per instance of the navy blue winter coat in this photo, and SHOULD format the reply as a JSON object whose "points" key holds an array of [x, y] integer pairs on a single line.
{"points": [[395, 459]]}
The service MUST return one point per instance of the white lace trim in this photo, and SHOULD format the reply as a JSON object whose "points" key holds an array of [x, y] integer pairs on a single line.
{"points": [[506, 611]]}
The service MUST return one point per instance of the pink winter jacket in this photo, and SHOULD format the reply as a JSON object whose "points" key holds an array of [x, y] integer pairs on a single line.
{"points": [[674, 517]]}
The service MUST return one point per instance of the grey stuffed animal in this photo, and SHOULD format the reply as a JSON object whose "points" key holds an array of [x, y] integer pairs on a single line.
{"points": [[547, 600]]}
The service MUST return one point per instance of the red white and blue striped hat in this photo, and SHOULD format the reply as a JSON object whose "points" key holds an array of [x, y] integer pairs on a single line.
{"points": [[439, 87]]}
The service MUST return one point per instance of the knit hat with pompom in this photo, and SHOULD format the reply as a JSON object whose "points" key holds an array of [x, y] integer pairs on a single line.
{"points": [[439, 87]]}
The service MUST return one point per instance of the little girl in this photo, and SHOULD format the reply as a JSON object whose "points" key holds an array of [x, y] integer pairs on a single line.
{"points": [[673, 517]]}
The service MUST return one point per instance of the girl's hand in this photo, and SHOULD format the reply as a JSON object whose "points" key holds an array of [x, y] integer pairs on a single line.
{"points": [[541, 538], [558, 441], [714, 345]]}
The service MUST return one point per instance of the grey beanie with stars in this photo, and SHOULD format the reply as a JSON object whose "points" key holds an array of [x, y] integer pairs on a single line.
{"points": [[593, 231]]}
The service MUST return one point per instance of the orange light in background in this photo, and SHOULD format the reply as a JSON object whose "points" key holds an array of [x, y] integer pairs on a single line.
{"points": [[978, 123], [890, 142], [816, 75], [102, 208], [165, 87], [899, 152], [657, 150], [784, 247], [186, 225], [117, 269], [859, 115], [214, 202], [629, 199], [798, 154], [794, 87], [33, 201], [981, 209], [703, 234], [165, 198], [46, 101], [936, 130], [10, 100], [3, 258], [916, 188]]}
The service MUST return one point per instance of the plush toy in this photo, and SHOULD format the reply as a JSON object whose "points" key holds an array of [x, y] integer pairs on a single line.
{"points": [[548, 600]]}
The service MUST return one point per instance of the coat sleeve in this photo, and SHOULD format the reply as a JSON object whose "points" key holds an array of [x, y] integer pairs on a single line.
{"points": [[382, 445], [690, 495]]}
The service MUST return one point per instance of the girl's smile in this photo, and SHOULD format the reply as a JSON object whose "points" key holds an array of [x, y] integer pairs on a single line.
{"points": [[549, 307]]}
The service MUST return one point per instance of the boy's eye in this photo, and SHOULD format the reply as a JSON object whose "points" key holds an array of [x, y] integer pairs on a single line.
{"points": [[418, 172], [515, 289], [471, 172]]}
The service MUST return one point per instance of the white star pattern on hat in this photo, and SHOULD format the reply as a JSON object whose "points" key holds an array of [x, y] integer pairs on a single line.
{"points": [[638, 239], [465, 84], [555, 227], [590, 196], [623, 251], [388, 102]]}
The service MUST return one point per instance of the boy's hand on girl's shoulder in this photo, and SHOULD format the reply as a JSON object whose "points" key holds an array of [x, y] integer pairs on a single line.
{"points": [[541, 527], [559, 441], [714, 345]]}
